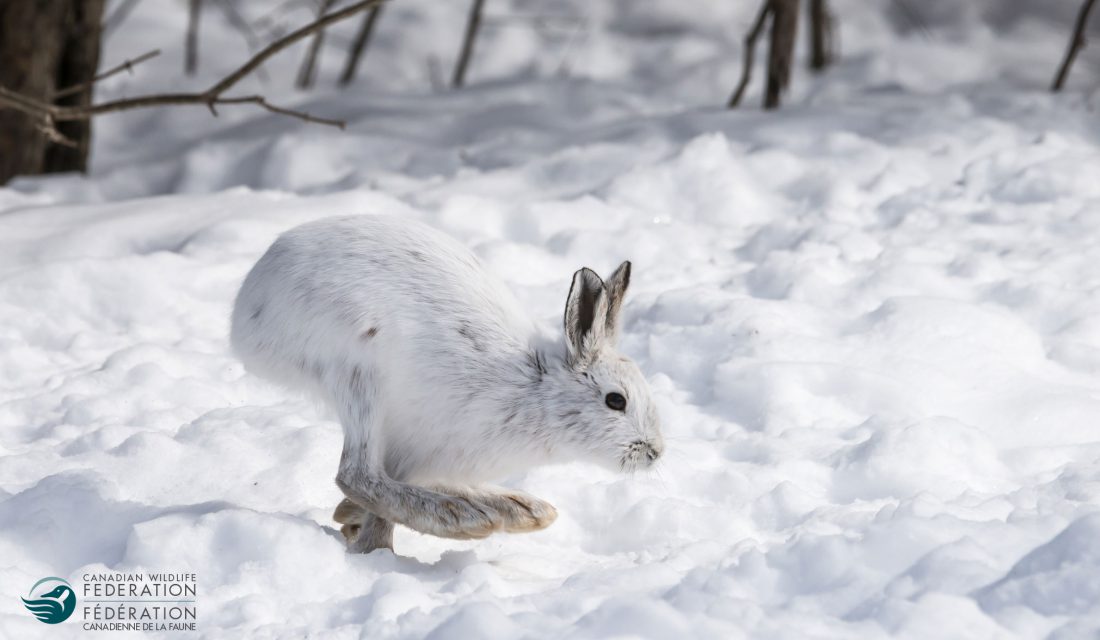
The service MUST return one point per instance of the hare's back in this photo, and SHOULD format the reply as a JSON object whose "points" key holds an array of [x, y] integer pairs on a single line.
{"points": [[358, 263], [336, 284]]}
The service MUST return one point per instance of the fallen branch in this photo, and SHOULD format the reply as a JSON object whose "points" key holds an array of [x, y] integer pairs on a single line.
{"points": [[49, 114], [1075, 45], [750, 53]]}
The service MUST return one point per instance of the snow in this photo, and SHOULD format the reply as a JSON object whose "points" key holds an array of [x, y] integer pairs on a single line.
{"points": [[870, 321]]}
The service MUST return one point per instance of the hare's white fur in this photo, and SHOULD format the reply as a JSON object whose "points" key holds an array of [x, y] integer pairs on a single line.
{"points": [[440, 379]]}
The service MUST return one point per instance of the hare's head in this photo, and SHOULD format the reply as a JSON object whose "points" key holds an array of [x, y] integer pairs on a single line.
{"points": [[602, 398]]}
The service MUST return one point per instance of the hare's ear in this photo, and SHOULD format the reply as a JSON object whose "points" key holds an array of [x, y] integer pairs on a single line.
{"points": [[585, 316], [616, 291]]}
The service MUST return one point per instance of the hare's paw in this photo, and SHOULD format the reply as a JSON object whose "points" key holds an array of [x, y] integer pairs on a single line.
{"points": [[515, 512], [347, 512], [373, 533], [525, 513], [465, 518], [350, 516]]}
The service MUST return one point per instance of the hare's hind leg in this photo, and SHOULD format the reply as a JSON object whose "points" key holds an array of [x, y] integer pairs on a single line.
{"points": [[363, 530], [521, 512]]}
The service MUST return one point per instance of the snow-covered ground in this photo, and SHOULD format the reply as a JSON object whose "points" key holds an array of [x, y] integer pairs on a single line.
{"points": [[871, 321]]}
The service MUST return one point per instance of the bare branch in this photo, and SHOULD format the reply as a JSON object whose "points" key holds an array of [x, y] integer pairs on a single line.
{"points": [[289, 39], [1075, 45], [750, 53], [49, 129], [50, 113], [359, 46], [301, 115], [467, 52], [125, 66]]}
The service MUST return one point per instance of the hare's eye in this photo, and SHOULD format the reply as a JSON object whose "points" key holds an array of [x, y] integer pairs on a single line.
{"points": [[615, 401]]}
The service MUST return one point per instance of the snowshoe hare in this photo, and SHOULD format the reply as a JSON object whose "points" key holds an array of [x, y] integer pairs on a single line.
{"points": [[440, 379]]}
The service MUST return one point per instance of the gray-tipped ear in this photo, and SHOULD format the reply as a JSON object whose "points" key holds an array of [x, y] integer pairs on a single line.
{"points": [[616, 291], [585, 315]]}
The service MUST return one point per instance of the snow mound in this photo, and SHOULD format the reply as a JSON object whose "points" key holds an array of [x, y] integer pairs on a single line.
{"points": [[869, 321], [1058, 578]]}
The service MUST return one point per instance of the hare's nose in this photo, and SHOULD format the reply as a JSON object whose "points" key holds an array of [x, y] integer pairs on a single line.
{"points": [[654, 449]]}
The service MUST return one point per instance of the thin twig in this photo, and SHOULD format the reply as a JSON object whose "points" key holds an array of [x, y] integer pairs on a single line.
{"points": [[49, 129], [125, 66], [468, 40], [359, 46], [289, 39], [51, 113], [1075, 45], [750, 53]]}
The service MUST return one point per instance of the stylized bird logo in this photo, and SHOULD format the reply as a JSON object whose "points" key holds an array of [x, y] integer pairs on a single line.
{"points": [[54, 606]]}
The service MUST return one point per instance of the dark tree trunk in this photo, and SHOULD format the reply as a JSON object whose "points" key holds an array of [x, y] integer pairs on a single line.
{"points": [[46, 45], [362, 39], [78, 64], [191, 42], [1076, 43], [309, 63], [781, 50], [821, 35], [473, 23]]}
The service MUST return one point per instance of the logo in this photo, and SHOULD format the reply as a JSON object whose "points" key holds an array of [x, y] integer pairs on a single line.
{"points": [[52, 600]]}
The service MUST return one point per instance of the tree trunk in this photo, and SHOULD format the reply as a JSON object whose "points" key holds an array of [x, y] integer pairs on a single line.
{"points": [[1076, 43], [191, 41], [309, 63], [46, 45], [781, 51], [821, 35], [473, 23], [362, 39]]}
